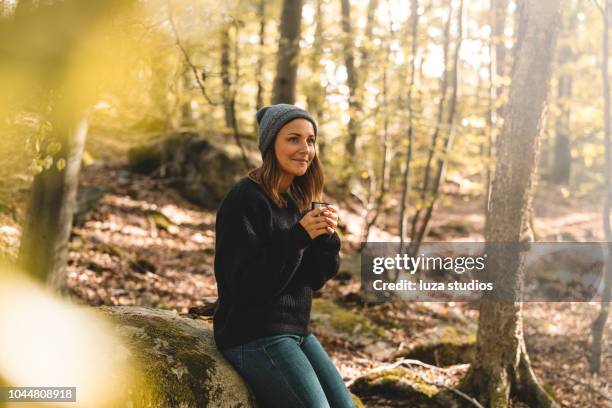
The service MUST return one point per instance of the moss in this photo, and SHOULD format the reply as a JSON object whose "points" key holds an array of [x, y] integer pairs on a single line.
{"points": [[357, 401], [549, 389], [397, 382], [159, 219], [169, 356], [341, 321], [450, 345]]}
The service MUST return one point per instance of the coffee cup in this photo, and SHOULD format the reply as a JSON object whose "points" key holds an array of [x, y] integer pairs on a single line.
{"points": [[316, 205]]}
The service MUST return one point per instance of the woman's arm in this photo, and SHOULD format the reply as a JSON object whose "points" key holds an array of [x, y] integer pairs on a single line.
{"points": [[321, 261], [255, 265]]}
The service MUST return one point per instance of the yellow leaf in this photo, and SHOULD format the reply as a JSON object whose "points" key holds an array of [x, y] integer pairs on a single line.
{"points": [[61, 163]]}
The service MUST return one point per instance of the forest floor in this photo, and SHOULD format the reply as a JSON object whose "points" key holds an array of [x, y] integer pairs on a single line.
{"points": [[143, 244]]}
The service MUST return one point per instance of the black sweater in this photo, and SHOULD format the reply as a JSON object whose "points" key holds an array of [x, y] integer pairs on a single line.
{"points": [[266, 266]]}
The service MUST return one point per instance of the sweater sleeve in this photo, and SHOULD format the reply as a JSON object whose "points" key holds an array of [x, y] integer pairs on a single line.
{"points": [[321, 261], [256, 265]]}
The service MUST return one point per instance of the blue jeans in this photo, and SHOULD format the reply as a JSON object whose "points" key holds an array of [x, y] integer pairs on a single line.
{"points": [[290, 370]]}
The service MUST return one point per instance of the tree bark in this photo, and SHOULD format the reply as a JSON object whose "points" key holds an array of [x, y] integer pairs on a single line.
{"points": [[44, 247], [501, 367], [355, 80], [261, 13], [386, 149], [403, 219], [497, 69], [315, 98], [442, 162], [434, 138], [430, 195], [600, 322], [560, 173], [288, 52], [228, 106]]}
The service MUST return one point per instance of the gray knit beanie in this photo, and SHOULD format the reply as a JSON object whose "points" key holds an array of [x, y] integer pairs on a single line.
{"points": [[272, 118]]}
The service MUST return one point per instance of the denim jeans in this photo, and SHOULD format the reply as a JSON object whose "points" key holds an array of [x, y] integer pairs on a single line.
{"points": [[290, 370]]}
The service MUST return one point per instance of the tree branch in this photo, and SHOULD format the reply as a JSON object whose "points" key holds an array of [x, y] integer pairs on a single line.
{"points": [[186, 55]]}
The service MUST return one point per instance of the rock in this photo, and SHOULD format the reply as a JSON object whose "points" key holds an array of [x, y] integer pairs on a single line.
{"points": [[448, 345], [205, 169], [146, 158], [398, 382], [402, 384], [178, 359], [333, 319]]}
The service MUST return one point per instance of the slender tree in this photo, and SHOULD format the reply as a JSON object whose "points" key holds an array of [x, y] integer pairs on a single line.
{"points": [[497, 70], [562, 160], [226, 79], [355, 79], [436, 133], [501, 367], [414, 23], [600, 322], [261, 14], [315, 95], [386, 143], [441, 163], [288, 52], [44, 247]]}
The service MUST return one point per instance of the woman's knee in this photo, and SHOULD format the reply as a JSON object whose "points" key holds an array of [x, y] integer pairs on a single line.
{"points": [[329, 377], [281, 375]]}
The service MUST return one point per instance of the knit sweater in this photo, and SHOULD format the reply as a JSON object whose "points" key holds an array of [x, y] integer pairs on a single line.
{"points": [[266, 267]]}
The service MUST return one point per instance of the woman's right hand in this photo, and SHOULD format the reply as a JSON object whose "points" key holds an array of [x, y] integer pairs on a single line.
{"points": [[315, 223]]}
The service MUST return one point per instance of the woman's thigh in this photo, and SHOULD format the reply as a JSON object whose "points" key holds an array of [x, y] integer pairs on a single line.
{"points": [[330, 379], [278, 372]]}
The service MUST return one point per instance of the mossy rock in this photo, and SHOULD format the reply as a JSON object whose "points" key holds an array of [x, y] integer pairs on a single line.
{"points": [[146, 158], [397, 382], [328, 316], [205, 168], [178, 359], [449, 345]]}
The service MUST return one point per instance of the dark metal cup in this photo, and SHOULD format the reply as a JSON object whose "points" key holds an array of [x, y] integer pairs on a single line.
{"points": [[316, 204]]}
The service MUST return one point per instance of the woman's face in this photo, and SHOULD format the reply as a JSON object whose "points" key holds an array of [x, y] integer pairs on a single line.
{"points": [[295, 147]]}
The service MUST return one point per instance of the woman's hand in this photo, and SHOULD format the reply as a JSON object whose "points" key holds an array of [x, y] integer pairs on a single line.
{"points": [[320, 221]]}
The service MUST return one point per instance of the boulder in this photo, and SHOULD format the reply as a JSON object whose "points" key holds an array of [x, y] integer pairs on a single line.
{"points": [[179, 363], [205, 168], [176, 362]]}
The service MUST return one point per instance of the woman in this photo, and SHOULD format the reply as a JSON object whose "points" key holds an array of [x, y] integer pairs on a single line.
{"points": [[272, 252]]}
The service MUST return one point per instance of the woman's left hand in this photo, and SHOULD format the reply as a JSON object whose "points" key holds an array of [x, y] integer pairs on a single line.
{"points": [[331, 216]]}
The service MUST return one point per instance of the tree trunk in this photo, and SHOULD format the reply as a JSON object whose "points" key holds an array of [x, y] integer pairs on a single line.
{"points": [[226, 79], [261, 14], [600, 322], [560, 173], [414, 22], [44, 247], [451, 121], [230, 85], [497, 69], [288, 52], [419, 234], [434, 138], [501, 368], [386, 150], [355, 80], [315, 97], [185, 104]]}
